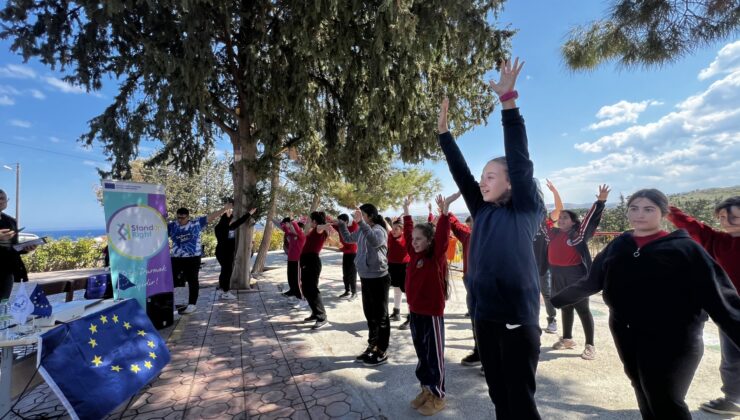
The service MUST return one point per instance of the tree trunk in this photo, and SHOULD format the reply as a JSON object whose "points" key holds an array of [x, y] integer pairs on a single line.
{"points": [[259, 261], [245, 197], [315, 201]]}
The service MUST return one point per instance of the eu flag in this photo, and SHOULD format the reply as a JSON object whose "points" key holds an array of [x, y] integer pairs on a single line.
{"points": [[41, 305], [98, 362]]}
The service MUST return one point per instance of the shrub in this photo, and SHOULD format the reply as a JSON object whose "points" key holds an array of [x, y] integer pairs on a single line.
{"points": [[65, 254]]}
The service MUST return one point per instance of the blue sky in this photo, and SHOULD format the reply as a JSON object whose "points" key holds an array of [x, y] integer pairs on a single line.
{"points": [[676, 128]]}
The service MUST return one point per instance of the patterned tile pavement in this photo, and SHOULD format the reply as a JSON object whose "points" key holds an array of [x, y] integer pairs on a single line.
{"points": [[231, 359]]}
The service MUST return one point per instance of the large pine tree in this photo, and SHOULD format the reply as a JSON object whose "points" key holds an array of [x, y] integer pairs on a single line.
{"points": [[352, 83]]}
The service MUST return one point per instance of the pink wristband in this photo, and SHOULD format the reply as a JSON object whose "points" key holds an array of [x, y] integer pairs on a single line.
{"points": [[508, 96]]}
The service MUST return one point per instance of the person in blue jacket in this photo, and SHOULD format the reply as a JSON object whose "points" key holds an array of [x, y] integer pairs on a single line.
{"points": [[503, 279]]}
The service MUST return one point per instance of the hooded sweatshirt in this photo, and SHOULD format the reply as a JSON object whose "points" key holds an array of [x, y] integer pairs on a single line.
{"points": [[371, 259], [662, 288]]}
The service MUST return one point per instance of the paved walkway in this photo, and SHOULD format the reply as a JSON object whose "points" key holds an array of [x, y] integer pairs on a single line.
{"points": [[255, 358]]}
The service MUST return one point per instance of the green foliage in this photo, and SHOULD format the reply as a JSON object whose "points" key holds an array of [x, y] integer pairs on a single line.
{"points": [[650, 32], [276, 239], [208, 240], [65, 254]]}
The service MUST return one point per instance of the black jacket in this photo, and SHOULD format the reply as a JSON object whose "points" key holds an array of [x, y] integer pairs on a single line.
{"points": [[225, 244], [662, 288], [10, 259], [502, 275]]}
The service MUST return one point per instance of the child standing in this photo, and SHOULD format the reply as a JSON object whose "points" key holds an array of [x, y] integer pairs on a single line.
{"points": [[659, 288], [311, 268], [296, 239], [569, 260], [349, 251], [502, 273], [426, 286], [398, 257]]}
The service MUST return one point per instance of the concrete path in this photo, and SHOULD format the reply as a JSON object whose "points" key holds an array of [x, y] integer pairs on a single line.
{"points": [[256, 358]]}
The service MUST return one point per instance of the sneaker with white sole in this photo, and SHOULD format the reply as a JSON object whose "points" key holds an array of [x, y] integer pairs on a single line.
{"points": [[589, 353], [301, 304], [552, 327], [376, 358], [564, 344], [722, 406], [227, 296], [189, 309], [320, 324]]}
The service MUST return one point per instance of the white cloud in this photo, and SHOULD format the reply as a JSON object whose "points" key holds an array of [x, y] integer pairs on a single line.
{"points": [[64, 86], [727, 61], [20, 123], [6, 100], [620, 113], [15, 71], [89, 163], [37, 94], [55, 139], [9, 90], [694, 146]]}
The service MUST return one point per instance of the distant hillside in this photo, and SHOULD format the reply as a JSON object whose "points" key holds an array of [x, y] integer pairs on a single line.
{"points": [[712, 195]]}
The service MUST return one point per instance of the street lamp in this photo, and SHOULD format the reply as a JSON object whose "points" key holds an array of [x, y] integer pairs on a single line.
{"points": [[17, 170]]}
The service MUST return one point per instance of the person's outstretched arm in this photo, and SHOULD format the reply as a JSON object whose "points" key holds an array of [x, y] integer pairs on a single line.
{"points": [[699, 231], [464, 179], [238, 222], [717, 294], [555, 214], [524, 194], [591, 220], [585, 287], [408, 227], [442, 231]]}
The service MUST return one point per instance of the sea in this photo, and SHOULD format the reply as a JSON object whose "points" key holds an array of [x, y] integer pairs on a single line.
{"points": [[80, 233]]}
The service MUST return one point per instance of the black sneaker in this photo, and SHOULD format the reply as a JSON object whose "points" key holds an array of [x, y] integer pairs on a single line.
{"points": [[375, 358], [467, 314], [396, 315], [287, 294], [361, 358], [482, 372], [319, 324], [311, 318], [353, 297], [721, 406], [405, 325], [473, 359], [344, 295]]}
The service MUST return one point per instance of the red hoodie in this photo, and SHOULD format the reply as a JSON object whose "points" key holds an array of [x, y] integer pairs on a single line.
{"points": [[722, 246], [425, 274], [397, 250], [462, 233], [295, 240], [348, 248]]}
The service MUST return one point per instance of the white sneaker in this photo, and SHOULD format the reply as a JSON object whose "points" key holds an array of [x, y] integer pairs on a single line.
{"points": [[301, 304], [189, 310], [175, 316], [227, 296]]}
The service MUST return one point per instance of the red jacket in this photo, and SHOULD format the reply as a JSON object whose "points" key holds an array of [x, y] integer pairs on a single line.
{"points": [[723, 247], [425, 273], [462, 233], [397, 253], [351, 247], [295, 240], [314, 242]]}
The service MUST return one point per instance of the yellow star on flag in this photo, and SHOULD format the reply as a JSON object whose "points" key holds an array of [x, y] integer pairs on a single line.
{"points": [[103, 319], [93, 328], [135, 368], [115, 319], [150, 344], [148, 364], [92, 343], [126, 325], [115, 368], [141, 333], [97, 361], [152, 355]]}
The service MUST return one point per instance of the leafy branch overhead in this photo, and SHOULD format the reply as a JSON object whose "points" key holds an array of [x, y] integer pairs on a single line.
{"points": [[651, 32]]}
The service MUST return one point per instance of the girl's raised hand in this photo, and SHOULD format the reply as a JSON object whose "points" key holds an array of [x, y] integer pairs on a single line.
{"points": [[442, 119], [252, 211], [509, 73], [449, 200], [550, 185], [406, 204], [441, 203], [603, 192]]}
